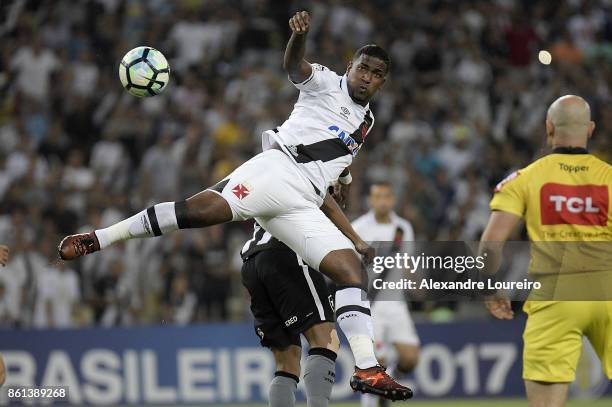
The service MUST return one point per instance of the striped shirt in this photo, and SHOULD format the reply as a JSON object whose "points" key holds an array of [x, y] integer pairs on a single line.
{"points": [[260, 241]]}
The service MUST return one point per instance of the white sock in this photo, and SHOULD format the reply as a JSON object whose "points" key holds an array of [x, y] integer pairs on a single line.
{"points": [[153, 221], [353, 317], [369, 400]]}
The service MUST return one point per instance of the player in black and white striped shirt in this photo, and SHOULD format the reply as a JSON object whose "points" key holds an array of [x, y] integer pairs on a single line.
{"points": [[289, 299], [284, 189]]}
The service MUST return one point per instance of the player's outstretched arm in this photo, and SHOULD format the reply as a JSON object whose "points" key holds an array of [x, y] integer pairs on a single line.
{"points": [[294, 63], [332, 210]]}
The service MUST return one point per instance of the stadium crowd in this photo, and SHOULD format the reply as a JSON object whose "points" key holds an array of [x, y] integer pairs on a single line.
{"points": [[464, 105]]}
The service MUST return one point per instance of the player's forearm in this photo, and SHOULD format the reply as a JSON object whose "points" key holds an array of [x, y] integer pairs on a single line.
{"points": [[492, 252], [332, 210], [498, 230], [293, 62]]}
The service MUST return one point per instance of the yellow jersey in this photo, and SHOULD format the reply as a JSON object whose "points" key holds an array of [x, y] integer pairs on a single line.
{"points": [[563, 197]]}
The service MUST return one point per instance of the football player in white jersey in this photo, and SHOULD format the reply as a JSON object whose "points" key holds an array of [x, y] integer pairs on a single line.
{"points": [[397, 342], [285, 189]]}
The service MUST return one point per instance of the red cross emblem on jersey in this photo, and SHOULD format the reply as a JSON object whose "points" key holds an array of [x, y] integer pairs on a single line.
{"points": [[240, 191]]}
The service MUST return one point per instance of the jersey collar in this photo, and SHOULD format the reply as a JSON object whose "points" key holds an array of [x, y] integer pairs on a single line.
{"points": [[344, 87], [392, 217], [570, 150]]}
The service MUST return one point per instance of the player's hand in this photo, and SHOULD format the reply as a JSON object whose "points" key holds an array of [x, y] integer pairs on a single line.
{"points": [[300, 22], [499, 306], [4, 255], [341, 194], [365, 250]]}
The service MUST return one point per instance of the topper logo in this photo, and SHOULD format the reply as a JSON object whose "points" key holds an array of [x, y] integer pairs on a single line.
{"points": [[574, 204]]}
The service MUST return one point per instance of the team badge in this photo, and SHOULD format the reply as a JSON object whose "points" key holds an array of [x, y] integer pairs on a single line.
{"points": [[241, 191]]}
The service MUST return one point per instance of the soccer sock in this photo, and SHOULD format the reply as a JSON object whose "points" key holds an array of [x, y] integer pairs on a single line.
{"points": [[353, 317], [369, 400], [282, 389], [153, 221], [319, 376]]}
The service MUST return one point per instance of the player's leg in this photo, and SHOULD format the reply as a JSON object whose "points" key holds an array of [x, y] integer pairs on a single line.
{"points": [[204, 209], [541, 394], [397, 343], [407, 357], [300, 298], [309, 233], [271, 329], [284, 384], [552, 347], [402, 335], [257, 187], [599, 333], [320, 366]]}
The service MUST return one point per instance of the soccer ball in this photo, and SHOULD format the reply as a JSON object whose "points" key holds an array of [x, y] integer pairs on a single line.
{"points": [[144, 72]]}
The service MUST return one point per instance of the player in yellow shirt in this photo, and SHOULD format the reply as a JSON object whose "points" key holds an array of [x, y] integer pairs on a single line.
{"points": [[562, 197]]}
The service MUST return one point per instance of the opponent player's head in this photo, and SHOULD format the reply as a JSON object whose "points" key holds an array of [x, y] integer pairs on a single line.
{"points": [[568, 122], [367, 72], [381, 198]]}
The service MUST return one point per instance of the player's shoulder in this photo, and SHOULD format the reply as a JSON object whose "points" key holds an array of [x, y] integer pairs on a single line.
{"points": [[322, 70], [319, 67], [402, 222], [405, 223], [606, 166]]}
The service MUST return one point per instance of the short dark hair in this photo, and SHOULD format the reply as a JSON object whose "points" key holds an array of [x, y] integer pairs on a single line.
{"points": [[374, 51]]}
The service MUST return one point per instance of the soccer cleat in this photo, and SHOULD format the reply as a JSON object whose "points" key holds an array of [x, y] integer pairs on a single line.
{"points": [[375, 380], [74, 246]]}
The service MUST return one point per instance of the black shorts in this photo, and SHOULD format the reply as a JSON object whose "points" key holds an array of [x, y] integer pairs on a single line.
{"points": [[287, 298]]}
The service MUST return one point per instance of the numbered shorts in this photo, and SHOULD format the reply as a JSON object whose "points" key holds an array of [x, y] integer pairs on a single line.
{"points": [[287, 296], [270, 188], [392, 324], [553, 338]]}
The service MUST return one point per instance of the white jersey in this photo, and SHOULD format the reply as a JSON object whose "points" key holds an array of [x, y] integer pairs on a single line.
{"points": [[371, 231], [325, 130], [398, 231]]}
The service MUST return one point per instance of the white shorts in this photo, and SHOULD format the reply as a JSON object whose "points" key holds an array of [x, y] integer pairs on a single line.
{"points": [[270, 188], [392, 324]]}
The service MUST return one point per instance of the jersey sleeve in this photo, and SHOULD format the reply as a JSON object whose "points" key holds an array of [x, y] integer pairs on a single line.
{"points": [[510, 195], [319, 79]]}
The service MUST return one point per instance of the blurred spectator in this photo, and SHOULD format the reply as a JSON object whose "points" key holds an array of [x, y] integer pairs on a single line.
{"points": [[181, 305], [57, 297], [33, 66]]}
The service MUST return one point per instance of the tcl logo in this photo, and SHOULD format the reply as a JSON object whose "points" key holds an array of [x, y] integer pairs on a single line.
{"points": [[574, 204]]}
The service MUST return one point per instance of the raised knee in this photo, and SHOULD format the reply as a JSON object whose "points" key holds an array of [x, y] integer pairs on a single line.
{"points": [[408, 360]]}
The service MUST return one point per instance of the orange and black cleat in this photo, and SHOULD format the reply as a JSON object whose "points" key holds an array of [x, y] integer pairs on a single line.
{"points": [[375, 380], [74, 246]]}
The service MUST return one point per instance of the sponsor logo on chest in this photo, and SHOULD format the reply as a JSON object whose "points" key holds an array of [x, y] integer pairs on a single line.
{"points": [[574, 204]]}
